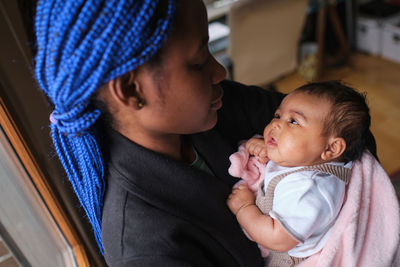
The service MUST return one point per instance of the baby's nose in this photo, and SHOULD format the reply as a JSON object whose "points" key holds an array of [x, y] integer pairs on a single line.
{"points": [[276, 123]]}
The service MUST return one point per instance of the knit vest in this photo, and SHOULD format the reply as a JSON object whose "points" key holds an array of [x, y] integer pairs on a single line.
{"points": [[264, 202]]}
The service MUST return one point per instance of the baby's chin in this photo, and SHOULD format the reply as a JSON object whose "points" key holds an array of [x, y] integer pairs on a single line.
{"points": [[285, 163], [295, 164], [280, 162]]}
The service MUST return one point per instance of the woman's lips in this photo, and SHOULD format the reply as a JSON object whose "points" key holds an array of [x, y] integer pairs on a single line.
{"points": [[217, 102]]}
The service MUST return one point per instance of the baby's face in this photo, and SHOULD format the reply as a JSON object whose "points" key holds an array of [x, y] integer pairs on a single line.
{"points": [[294, 137]]}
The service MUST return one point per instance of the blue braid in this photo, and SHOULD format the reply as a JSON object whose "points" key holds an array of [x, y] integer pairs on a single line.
{"points": [[82, 44]]}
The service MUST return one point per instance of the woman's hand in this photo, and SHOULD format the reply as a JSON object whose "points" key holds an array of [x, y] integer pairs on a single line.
{"points": [[257, 148], [240, 198]]}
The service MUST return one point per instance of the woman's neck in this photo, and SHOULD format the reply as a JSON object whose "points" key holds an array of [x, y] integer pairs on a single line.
{"points": [[175, 146]]}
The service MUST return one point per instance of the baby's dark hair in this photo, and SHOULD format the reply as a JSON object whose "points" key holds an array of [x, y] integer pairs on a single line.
{"points": [[349, 117]]}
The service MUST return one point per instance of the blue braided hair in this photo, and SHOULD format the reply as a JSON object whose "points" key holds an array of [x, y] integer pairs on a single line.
{"points": [[82, 44]]}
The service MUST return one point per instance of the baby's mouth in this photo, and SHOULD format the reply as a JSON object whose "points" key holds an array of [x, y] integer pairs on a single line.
{"points": [[271, 141]]}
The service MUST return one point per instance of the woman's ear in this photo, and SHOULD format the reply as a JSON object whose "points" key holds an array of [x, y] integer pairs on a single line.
{"points": [[334, 149], [126, 92]]}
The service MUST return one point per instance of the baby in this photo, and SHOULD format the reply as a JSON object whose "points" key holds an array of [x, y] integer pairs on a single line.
{"points": [[316, 133]]}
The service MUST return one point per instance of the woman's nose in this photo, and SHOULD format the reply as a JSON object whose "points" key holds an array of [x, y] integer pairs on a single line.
{"points": [[218, 71]]}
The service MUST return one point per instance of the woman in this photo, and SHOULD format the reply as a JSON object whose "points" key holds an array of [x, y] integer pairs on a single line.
{"points": [[140, 131]]}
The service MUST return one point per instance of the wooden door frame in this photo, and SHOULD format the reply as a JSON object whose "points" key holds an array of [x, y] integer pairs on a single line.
{"points": [[40, 182]]}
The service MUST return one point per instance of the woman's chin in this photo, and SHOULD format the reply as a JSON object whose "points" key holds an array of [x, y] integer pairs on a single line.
{"points": [[211, 125], [211, 122]]}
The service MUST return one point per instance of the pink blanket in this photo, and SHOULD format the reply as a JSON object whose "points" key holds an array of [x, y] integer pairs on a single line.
{"points": [[367, 231]]}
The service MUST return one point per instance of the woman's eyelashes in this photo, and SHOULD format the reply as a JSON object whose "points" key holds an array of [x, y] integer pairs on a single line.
{"points": [[202, 63], [199, 66]]}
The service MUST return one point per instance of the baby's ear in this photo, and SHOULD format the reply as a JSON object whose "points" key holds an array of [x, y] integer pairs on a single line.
{"points": [[334, 149]]}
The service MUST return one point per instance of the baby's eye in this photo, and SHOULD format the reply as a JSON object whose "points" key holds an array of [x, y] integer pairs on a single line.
{"points": [[277, 116], [293, 121]]}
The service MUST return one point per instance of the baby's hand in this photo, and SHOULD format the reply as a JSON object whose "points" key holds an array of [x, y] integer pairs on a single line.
{"points": [[257, 148], [239, 198]]}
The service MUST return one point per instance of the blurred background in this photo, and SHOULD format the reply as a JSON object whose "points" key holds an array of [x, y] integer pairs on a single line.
{"points": [[284, 44], [276, 44]]}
